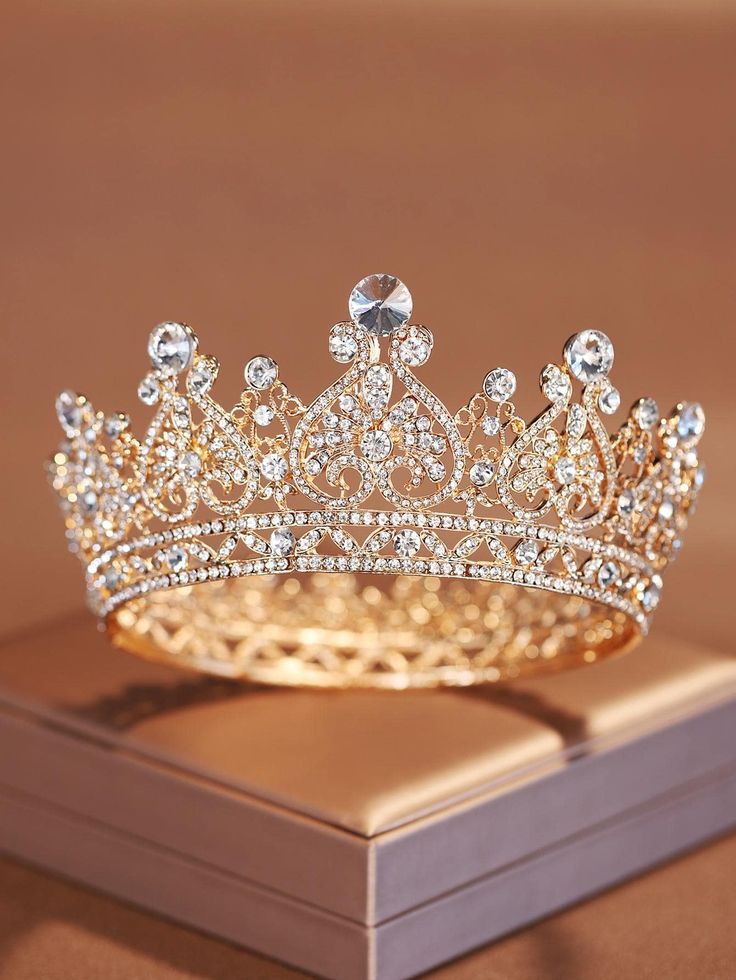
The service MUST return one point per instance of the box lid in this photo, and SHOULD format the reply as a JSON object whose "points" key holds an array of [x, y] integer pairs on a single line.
{"points": [[282, 786]]}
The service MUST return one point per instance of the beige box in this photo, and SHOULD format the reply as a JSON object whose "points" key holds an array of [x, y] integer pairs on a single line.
{"points": [[358, 834]]}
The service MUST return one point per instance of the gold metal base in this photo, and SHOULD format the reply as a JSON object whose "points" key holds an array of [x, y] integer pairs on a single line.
{"points": [[345, 630]]}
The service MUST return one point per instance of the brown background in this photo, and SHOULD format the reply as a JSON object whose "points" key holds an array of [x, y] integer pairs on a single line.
{"points": [[529, 169]]}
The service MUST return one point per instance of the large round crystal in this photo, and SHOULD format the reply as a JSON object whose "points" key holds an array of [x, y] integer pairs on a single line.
{"points": [[406, 543], [482, 472], [499, 384], [171, 346], [376, 445], [380, 304], [589, 355]]}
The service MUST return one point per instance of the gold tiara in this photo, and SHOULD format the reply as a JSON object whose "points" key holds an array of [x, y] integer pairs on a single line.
{"points": [[371, 537]]}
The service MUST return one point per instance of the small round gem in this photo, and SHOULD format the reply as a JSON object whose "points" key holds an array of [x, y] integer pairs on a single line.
{"points": [[491, 425], [282, 542], [111, 577], [274, 467], [406, 543], [69, 410], [414, 351], [376, 445], [343, 346], [609, 400], [609, 575], [261, 372], [263, 415], [171, 346], [380, 304], [176, 558], [482, 472], [499, 384], [646, 413], [115, 424], [555, 383], [149, 391], [665, 511], [589, 355], [565, 470], [526, 552], [691, 423], [626, 503]]}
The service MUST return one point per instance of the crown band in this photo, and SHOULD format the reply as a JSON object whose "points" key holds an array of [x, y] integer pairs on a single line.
{"points": [[371, 537]]}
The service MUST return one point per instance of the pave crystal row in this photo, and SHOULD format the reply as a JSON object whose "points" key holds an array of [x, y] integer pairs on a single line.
{"points": [[376, 475]]}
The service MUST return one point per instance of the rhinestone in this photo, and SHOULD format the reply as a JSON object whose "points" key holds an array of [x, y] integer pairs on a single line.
{"points": [[115, 424], [649, 595], [190, 464], [609, 400], [626, 503], [499, 384], [699, 478], [406, 543], [274, 467], [282, 542], [491, 425], [200, 379], [171, 346], [343, 347], [691, 423], [482, 472], [149, 391], [263, 415], [261, 372], [347, 403], [414, 351], [380, 304], [376, 445], [69, 410], [646, 413], [609, 574], [526, 552], [88, 502], [176, 558], [436, 472], [555, 383], [589, 355], [665, 511], [565, 470], [577, 419]]}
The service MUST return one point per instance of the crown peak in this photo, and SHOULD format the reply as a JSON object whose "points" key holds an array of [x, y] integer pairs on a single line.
{"points": [[380, 303]]}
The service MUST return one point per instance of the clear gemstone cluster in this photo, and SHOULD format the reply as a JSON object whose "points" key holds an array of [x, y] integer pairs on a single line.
{"points": [[555, 504]]}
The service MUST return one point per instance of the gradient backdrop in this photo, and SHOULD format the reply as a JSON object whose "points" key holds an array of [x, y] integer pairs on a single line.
{"points": [[528, 169]]}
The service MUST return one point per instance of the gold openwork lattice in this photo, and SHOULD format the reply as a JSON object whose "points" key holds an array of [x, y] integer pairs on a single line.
{"points": [[341, 630]]}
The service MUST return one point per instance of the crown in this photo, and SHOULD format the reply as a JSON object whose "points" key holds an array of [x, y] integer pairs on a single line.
{"points": [[511, 544]]}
